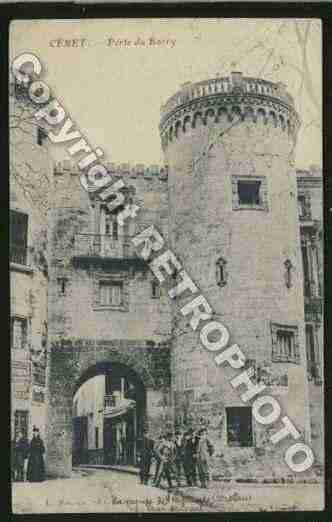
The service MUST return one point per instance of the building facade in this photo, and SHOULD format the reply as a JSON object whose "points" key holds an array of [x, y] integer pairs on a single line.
{"points": [[247, 227], [31, 173]]}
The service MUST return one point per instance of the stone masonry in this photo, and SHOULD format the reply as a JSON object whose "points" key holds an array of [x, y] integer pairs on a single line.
{"points": [[221, 138]]}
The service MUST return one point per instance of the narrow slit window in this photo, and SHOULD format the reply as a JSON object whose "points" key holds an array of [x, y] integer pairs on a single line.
{"points": [[62, 283], [288, 273], [115, 230], [155, 290], [221, 272]]}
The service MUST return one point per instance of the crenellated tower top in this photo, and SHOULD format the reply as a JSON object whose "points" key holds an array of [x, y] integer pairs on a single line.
{"points": [[227, 97]]}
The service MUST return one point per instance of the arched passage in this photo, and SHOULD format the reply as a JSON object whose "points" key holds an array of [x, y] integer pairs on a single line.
{"points": [[72, 362], [109, 409]]}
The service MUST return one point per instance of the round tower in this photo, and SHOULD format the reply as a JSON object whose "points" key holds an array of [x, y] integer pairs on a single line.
{"points": [[233, 223]]}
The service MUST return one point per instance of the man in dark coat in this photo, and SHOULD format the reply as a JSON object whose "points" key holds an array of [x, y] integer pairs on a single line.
{"points": [[190, 456], [157, 458], [20, 453], [179, 450], [36, 467], [204, 452], [145, 457]]}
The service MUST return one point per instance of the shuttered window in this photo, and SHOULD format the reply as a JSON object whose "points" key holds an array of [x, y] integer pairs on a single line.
{"points": [[111, 293], [18, 237]]}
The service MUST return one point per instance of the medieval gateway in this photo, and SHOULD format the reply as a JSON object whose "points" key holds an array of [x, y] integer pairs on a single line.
{"points": [[99, 351]]}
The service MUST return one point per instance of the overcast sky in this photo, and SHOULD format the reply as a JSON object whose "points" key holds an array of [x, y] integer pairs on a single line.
{"points": [[114, 93]]}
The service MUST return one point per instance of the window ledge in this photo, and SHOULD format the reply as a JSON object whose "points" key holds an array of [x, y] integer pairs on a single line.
{"points": [[120, 308], [286, 360], [21, 268], [250, 207]]}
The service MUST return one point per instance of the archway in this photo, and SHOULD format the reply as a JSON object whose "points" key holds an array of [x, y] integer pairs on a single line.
{"points": [[74, 361], [109, 407]]}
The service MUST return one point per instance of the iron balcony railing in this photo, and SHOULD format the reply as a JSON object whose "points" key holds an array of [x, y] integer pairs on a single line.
{"points": [[103, 245], [109, 401]]}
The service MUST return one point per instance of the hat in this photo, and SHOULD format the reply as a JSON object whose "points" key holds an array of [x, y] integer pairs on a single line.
{"points": [[35, 429]]}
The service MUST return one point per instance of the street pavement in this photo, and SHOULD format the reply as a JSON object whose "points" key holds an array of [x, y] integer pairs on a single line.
{"points": [[106, 491]]}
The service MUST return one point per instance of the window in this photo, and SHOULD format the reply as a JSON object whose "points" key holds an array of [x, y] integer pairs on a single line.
{"points": [[19, 331], [312, 359], [239, 427], [221, 272], [285, 343], [39, 375], [306, 271], [110, 293], [18, 237], [249, 192], [111, 226], [62, 283], [115, 230], [21, 421], [304, 209], [96, 437], [155, 290], [301, 206]]}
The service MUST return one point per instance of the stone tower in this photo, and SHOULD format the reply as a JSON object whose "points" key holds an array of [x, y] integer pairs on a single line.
{"points": [[233, 223]]}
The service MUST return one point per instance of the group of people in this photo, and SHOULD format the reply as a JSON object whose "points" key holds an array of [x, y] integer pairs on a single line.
{"points": [[184, 455], [32, 451]]}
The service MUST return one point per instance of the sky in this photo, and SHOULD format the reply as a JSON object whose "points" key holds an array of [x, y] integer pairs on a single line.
{"points": [[113, 91]]}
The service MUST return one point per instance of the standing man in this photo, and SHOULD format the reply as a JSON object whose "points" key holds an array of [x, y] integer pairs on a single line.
{"points": [[146, 457], [20, 454], [204, 452], [167, 455], [178, 442], [36, 467], [190, 457], [157, 457]]}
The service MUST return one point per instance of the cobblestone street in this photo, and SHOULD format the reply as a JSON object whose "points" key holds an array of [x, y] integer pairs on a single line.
{"points": [[92, 491]]}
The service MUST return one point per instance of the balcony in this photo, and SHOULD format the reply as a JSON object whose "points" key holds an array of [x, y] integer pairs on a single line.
{"points": [[105, 251], [109, 401], [100, 245], [117, 406]]}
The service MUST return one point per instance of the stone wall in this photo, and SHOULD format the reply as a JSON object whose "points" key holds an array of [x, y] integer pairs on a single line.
{"points": [[208, 224], [31, 174], [135, 334]]}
